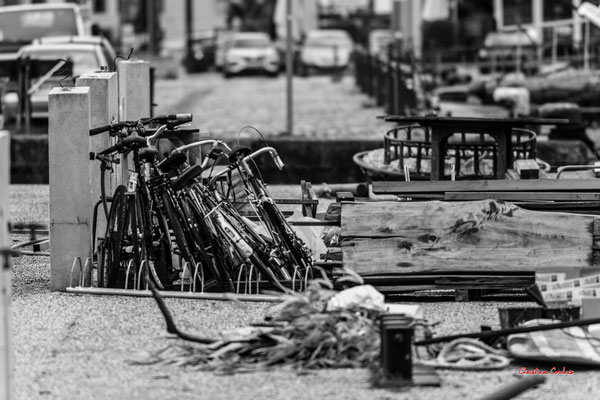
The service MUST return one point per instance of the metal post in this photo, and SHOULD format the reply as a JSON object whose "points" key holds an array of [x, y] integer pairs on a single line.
{"points": [[189, 24], [6, 356], [151, 25], [586, 46], [289, 67]]}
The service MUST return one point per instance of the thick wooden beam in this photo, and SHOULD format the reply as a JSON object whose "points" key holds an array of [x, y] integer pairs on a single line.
{"points": [[522, 196], [438, 237], [533, 185]]}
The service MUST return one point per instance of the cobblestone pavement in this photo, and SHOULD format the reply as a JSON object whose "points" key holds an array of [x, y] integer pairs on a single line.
{"points": [[322, 108]]}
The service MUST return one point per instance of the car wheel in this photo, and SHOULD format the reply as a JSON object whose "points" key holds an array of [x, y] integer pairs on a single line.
{"points": [[227, 74]]}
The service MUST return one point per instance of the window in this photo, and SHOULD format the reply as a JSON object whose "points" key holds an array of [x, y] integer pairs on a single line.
{"points": [[517, 12], [557, 9]]}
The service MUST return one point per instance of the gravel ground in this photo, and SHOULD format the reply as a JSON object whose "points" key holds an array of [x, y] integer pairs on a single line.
{"points": [[79, 346]]}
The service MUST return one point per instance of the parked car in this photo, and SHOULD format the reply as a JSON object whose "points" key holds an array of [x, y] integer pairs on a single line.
{"points": [[325, 49], [83, 57], [109, 52], [223, 42], [200, 54], [251, 51], [21, 24]]}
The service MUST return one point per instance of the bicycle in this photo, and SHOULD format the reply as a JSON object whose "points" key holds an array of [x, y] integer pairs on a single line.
{"points": [[287, 249], [137, 232]]}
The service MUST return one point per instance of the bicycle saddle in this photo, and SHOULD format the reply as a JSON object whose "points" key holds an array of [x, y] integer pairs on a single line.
{"points": [[134, 142], [187, 176], [148, 154], [173, 160], [238, 153]]}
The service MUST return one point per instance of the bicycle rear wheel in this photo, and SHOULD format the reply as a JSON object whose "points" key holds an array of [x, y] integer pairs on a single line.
{"points": [[174, 219], [151, 251]]}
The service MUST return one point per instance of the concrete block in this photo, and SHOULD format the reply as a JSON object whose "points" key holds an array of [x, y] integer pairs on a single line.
{"points": [[134, 90], [68, 143], [104, 109], [6, 355], [134, 97]]}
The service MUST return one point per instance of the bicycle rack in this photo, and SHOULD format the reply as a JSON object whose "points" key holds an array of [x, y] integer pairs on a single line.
{"points": [[199, 267], [237, 288], [82, 270], [294, 279], [183, 273], [139, 278], [127, 274]]}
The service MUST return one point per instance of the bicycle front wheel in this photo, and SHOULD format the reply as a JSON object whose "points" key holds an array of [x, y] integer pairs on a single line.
{"points": [[111, 248]]}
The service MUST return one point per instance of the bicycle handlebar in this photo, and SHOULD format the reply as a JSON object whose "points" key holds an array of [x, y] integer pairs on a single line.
{"points": [[271, 151], [128, 142], [112, 127], [276, 159], [175, 119]]}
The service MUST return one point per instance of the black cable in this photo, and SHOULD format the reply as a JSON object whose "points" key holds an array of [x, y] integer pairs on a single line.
{"points": [[121, 57], [64, 72]]}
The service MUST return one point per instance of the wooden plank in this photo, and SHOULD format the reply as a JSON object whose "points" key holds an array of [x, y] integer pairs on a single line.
{"points": [[527, 169], [437, 237], [449, 280], [534, 185], [522, 196]]}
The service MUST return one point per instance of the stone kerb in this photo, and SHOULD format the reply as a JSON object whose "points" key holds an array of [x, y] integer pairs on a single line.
{"points": [[6, 356], [68, 147]]}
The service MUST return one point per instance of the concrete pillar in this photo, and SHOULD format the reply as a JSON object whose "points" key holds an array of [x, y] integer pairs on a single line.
{"points": [[104, 109], [134, 96], [6, 356], [134, 90], [68, 145]]}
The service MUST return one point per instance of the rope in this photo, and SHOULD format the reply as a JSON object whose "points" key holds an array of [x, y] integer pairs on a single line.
{"points": [[469, 354]]}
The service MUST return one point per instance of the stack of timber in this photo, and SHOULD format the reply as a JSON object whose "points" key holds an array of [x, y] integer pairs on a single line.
{"points": [[564, 195], [484, 244]]}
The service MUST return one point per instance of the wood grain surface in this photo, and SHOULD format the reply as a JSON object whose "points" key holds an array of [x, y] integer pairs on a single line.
{"points": [[438, 237]]}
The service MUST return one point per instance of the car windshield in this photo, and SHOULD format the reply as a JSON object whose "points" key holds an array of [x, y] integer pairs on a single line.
{"points": [[328, 41], [250, 42], [83, 61], [24, 26]]}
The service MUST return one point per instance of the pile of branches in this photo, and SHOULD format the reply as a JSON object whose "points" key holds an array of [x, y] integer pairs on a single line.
{"points": [[299, 333]]}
